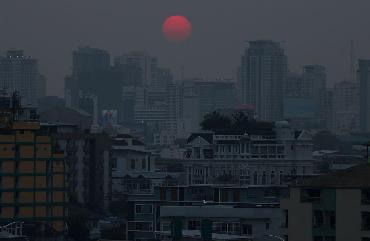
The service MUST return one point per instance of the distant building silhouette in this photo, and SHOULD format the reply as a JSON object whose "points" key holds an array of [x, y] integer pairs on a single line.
{"points": [[314, 85], [263, 73], [144, 61], [346, 110], [20, 72], [50, 102], [89, 70], [306, 98], [199, 97], [363, 77]]}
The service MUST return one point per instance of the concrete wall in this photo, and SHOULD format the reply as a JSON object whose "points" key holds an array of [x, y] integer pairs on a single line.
{"points": [[348, 216]]}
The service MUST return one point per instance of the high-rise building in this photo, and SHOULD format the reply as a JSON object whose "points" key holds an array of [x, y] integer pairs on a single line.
{"points": [[328, 207], [294, 86], [314, 84], [200, 97], [20, 72], [89, 60], [32, 182], [345, 104], [263, 74], [363, 78], [326, 109], [153, 106], [89, 74], [144, 61], [88, 163], [313, 80]]}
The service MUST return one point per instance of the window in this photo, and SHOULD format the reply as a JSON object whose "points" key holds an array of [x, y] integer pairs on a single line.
{"points": [[247, 229], [264, 178], [318, 238], [16, 211], [310, 195], [267, 226], [286, 219], [132, 163], [166, 226], [143, 209], [281, 177], [365, 221], [255, 178], [143, 164], [140, 226], [318, 219], [114, 163], [194, 224], [365, 197], [272, 178], [330, 219]]}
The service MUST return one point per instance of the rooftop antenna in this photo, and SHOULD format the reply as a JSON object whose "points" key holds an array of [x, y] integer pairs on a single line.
{"points": [[352, 61], [16, 108], [182, 72]]}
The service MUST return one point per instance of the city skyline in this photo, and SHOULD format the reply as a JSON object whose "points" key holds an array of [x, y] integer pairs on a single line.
{"points": [[319, 40]]}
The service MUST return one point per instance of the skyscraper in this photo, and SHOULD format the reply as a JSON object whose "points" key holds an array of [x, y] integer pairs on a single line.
{"points": [[363, 78], [89, 60], [345, 104], [19, 72], [89, 70], [263, 73], [200, 97], [32, 182], [144, 61], [313, 86]]}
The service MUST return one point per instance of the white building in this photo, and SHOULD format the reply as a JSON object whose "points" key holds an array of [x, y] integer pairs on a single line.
{"points": [[129, 158], [267, 156]]}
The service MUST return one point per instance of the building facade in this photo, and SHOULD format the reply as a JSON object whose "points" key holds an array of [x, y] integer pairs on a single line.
{"points": [[269, 155], [263, 73], [329, 207], [20, 72], [33, 186], [363, 78], [88, 161], [346, 107]]}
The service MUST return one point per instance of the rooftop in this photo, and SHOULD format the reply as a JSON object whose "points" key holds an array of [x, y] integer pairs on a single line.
{"points": [[354, 177]]}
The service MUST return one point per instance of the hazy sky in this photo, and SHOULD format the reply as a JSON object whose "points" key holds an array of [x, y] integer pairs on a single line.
{"points": [[313, 31]]}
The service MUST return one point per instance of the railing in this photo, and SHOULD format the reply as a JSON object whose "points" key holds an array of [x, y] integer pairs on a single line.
{"points": [[13, 229]]}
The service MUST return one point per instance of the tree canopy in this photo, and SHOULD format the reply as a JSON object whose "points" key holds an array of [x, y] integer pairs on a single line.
{"points": [[238, 123], [325, 140]]}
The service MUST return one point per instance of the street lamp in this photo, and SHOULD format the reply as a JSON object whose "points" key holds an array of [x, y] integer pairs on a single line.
{"points": [[276, 237]]}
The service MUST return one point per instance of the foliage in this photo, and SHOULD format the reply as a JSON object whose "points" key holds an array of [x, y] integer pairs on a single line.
{"points": [[238, 123], [215, 122], [77, 224], [325, 140], [119, 208]]}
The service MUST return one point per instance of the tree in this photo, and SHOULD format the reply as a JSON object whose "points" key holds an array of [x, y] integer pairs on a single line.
{"points": [[216, 122], [77, 224], [325, 140], [240, 122]]}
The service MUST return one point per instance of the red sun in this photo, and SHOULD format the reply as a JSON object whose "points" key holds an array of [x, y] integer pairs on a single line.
{"points": [[176, 29]]}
